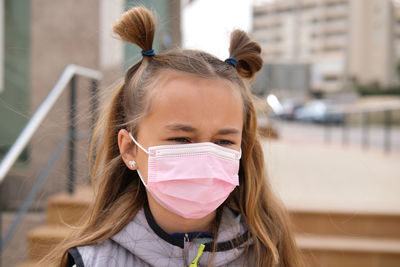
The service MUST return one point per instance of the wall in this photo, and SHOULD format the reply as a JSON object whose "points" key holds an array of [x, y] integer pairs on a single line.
{"points": [[14, 98], [1, 45]]}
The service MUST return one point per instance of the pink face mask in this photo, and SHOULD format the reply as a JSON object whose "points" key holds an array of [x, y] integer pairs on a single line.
{"points": [[191, 180]]}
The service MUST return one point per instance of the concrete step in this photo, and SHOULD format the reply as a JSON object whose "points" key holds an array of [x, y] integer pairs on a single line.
{"points": [[42, 239], [383, 225], [69, 209], [325, 238], [16, 250], [344, 251]]}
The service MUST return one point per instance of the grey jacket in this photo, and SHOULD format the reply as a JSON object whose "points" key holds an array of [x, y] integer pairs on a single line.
{"points": [[143, 243]]}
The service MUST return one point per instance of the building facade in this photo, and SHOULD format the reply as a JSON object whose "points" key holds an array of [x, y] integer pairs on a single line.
{"points": [[396, 29], [344, 41]]}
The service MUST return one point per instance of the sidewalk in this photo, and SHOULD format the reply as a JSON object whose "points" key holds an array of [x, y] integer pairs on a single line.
{"points": [[332, 178]]}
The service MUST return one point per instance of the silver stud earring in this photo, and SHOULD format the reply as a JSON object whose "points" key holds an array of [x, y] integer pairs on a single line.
{"points": [[132, 163]]}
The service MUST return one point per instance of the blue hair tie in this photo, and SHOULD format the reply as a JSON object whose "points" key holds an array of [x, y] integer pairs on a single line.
{"points": [[149, 53], [231, 60]]}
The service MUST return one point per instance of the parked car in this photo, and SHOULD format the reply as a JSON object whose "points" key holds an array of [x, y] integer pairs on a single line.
{"points": [[319, 111], [283, 109], [289, 108]]}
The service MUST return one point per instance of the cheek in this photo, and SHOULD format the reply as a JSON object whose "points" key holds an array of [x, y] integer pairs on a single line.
{"points": [[142, 163]]}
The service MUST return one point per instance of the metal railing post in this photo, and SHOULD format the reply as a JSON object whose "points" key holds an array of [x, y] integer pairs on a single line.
{"points": [[94, 104], [327, 135], [364, 129], [387, 128], [345, 131], [72, 136], [94, 101]]}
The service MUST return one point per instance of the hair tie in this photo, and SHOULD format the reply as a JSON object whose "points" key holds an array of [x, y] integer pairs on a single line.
{"points": [[231, 60], [149, 53]]}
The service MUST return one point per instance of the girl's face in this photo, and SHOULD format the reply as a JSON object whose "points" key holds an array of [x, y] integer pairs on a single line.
{"points": [[186, 109]]}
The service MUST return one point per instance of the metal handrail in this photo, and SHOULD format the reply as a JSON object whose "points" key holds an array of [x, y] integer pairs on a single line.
{"points": [[42, 178], [31, 127], [365, 124]]}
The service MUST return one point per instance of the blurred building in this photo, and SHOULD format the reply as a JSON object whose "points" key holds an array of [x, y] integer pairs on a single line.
{"points": [[397, 28], [283, 80], [344, 41]]}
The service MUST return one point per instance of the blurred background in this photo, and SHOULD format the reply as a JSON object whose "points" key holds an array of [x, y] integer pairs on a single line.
{"points": [[328, 102]]}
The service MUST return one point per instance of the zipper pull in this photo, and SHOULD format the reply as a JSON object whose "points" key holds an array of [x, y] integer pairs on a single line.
{"points": [[199, 252]]}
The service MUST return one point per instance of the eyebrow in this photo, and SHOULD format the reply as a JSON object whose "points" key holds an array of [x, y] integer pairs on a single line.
{"points": [[191, 129], [181, 127], [228, 131]]}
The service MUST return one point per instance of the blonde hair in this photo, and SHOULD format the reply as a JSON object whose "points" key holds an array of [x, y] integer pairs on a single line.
{"points": [[119, 194]]}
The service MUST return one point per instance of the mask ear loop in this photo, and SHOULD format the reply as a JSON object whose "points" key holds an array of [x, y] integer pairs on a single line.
{"points": [[142, 148], [145, 150]]}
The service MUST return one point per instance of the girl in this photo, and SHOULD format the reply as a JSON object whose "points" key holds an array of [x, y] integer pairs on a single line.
{"points": [[179, 171]]}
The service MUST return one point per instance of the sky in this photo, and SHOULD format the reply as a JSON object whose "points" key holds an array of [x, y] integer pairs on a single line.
{"points": [[207, 24]]}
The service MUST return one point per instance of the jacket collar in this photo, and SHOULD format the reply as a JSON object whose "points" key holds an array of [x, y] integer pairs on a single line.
{"points": [[145, 239]]}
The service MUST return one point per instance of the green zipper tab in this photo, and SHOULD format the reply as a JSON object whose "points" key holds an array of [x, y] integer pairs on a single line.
{"points": [[199, 252]]}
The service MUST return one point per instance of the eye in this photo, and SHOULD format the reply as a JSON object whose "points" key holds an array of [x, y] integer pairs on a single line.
{"points": [[224, 142], [179, 140]]}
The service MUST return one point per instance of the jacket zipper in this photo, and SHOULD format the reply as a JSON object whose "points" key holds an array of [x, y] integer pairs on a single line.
{"points": [[186, 238], [199, 252], [186, 249]]}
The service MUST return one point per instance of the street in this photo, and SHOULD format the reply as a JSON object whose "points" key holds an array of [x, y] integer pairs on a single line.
{"points": [[352, 136], [316, 177]]}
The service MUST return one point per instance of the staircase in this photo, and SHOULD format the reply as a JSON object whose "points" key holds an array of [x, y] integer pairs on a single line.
{"points": [[327, 239], [63, 210], [337, 239]]}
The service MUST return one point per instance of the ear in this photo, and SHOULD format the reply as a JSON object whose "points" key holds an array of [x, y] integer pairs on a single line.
{"points": [[127, 149]]}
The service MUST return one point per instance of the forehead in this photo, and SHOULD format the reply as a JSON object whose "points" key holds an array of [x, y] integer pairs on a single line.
{"points": [[203, 102]]}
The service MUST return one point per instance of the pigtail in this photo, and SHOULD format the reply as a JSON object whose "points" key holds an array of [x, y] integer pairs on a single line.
{"points": [[137, 26], [247, 53]]}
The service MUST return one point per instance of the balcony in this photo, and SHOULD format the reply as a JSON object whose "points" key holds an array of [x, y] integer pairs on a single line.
{"points": [[337, 12], [263, 10], [337, 29], [273, 8], [336, 2], [269, 36], [271, 51], [334, 43], [336, 26], [309, 3], [267, 22]]}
